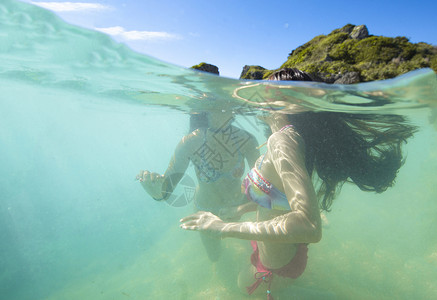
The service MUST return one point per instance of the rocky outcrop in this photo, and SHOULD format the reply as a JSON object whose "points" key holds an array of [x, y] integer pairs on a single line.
{"points": [[205, 67], [253, 72], [349, 78], [359, 32]]}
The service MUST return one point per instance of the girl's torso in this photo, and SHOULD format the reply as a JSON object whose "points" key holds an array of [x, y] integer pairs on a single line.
{"points": [[219, 165], [273, 255]]}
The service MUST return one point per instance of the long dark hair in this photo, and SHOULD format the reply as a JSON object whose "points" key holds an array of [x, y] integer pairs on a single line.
{"points": [[365, 149]]}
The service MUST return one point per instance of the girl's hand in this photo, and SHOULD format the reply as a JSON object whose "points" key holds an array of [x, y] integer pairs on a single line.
{"points": [[151, 183], [204, 221]]}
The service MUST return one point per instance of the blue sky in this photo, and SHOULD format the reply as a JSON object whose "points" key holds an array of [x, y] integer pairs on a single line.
{"points": [[231, 34]]}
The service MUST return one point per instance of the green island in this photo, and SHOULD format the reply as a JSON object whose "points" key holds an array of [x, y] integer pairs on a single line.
{"points": [[351, 55]]}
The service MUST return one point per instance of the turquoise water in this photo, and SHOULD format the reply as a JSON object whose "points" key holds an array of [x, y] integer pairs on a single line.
{"points": [[80, 115]]}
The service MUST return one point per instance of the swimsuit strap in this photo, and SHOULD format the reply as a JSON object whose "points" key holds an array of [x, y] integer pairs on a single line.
{"points": [[261, 162], [286, 127], [263, 276]]}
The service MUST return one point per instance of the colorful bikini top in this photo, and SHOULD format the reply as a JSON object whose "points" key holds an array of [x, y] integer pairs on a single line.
{"points": [[261, 191], [208, 170], [209, 163]]}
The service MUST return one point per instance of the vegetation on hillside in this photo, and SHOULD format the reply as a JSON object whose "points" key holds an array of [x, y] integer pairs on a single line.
{"points": [[372, 57]]}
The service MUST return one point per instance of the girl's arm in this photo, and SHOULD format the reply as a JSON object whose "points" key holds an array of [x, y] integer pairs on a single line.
{"points": [[301, 225], [251, 151], [160, 187]]}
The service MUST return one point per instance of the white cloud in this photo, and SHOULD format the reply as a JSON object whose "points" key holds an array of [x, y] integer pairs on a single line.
{"points": [[138, 35], [71, 6]]}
